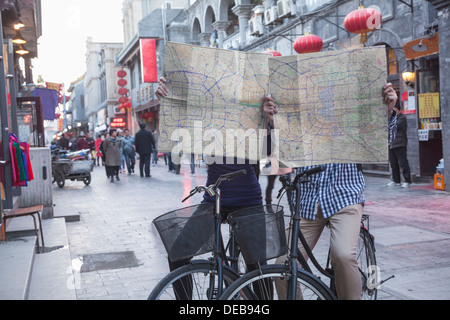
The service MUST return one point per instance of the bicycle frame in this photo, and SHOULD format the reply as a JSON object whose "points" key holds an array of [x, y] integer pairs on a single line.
{"points": [[293, 251], [214, 190]]}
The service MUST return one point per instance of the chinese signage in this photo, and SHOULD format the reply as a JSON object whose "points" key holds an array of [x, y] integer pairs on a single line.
{"points": [[118, 123], [421, 47], [409, 102], [429, 105]]}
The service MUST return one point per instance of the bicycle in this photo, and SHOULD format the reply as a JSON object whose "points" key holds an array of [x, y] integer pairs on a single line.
{"points": [[365, 252], [300, 283], [200, 279]]}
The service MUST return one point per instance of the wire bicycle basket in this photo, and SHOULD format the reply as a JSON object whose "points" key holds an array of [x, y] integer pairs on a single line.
{"points": [[260, 232], [187, 232]]}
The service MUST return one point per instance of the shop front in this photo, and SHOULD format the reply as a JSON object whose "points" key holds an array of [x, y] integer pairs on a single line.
{"points": [[422, 55]]}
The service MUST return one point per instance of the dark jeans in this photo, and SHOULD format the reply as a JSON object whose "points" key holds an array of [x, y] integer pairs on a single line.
{"points": [[397, 159], [144, 164], [130, 160], [270, 183]]}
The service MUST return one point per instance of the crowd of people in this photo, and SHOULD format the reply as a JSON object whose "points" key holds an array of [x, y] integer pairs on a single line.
{"points": [[117, 151]]}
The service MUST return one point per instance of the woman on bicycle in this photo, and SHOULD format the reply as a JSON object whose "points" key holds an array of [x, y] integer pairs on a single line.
{"points": [[335, 197], [239, 193]]}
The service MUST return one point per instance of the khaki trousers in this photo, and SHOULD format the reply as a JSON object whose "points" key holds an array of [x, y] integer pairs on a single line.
{"points": [[344, 233]]}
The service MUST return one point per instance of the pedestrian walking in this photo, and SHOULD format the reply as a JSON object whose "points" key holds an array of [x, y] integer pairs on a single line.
{"points": [[128, 151], [144, 143], [155, 149], [64, 142], [397, 152], [111, 148], [82, 142], [98, 153]]}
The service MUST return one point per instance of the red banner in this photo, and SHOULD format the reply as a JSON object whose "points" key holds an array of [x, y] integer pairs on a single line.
{"points": [[148, 60]]}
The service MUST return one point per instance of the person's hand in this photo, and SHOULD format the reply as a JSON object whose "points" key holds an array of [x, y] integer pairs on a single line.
{"points": [[390, 97], [162, 90], [269, 108]]}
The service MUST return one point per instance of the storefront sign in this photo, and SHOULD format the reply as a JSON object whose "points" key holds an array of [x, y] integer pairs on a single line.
{"points": [[409, 102], [148, 60], [429, 105], [421, 47], [118, 123], [423, 135]]}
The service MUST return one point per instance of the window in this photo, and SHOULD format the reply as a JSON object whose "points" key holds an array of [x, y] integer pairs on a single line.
{"points": [[392, 64]]}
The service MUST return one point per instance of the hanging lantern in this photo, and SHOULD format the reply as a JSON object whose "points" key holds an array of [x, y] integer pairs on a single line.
{"points": [[122, 91], [362, 21], [308, 43], [273, 52], [121, 73], [122, 82], [123, 100]]}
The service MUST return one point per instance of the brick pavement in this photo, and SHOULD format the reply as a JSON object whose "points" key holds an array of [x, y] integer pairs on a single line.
{"points": [[410, 226]]}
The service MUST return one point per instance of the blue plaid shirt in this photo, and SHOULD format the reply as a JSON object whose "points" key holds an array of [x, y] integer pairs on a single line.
{"points": [[340, 185]]}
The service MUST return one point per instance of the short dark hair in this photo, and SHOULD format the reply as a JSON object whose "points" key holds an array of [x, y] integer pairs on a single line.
{"points": [[142, 125], [112, 130]]}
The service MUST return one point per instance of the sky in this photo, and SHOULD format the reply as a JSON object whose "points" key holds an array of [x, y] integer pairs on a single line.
{"points": [[66, 25]]}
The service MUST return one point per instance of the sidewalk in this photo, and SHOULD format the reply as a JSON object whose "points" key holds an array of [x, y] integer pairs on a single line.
{"points": [[117, 254]]}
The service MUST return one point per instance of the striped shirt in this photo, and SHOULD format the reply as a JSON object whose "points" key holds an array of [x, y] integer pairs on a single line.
{"points": [[339, 186]]}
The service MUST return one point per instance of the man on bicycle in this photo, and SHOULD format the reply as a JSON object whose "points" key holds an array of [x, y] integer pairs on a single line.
{"points": [[335, 197]]}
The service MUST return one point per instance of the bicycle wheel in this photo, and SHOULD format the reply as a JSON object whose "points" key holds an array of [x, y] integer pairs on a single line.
{"points": [[365, 253], [260, 285], [195, 281]]}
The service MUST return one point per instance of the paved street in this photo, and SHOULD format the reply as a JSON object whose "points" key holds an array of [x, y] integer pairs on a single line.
{"points": [[117, 252]]}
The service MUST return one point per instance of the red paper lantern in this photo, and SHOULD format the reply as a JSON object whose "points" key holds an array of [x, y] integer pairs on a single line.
{"points": [[308, 43], [121, 73], [122, 82], [273, 53], [122, 91], [362, 20], [123, 100]]}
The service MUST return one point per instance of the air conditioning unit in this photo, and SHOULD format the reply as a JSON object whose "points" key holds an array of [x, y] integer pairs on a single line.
{"points": [[117, 110], [271, 15], [286, 8], [255, 26]]}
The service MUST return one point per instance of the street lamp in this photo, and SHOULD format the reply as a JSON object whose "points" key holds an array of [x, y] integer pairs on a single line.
{"points": [[18, 38], [22, 50]]}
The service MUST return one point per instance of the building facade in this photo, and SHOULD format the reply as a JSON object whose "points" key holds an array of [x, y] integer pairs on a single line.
{"points": [[255, 26], [19, 20], [144, 19], [100, 85]]}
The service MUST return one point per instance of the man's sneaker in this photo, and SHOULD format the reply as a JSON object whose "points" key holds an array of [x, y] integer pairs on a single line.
{"points": [[392, 183], [406, 184]]}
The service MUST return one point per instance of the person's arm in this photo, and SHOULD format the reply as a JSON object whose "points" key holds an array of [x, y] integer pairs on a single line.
{"points": [[269, 108], [162, 90], [390, 98]]}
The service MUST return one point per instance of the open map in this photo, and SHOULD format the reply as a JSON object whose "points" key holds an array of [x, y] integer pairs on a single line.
{"points": [[330, 107], [330, 104], [215, 98]]}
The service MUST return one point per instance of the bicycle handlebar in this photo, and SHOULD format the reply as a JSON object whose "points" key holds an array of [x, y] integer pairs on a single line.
{"points": [[286, 179], [212, 188], [309, 172]]}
